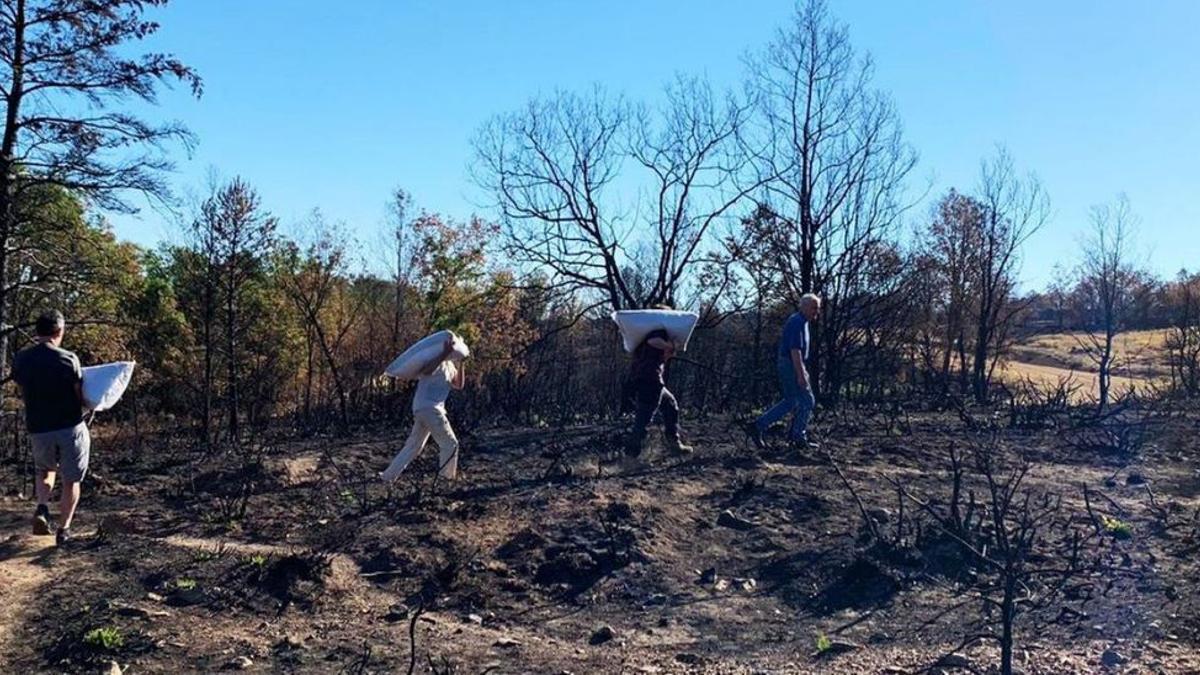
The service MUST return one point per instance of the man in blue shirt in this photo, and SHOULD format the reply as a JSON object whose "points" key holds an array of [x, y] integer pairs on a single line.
{"points": [[793, 376]]}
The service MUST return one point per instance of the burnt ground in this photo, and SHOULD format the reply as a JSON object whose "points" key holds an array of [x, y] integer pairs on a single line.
{"points": [[553, 555]]}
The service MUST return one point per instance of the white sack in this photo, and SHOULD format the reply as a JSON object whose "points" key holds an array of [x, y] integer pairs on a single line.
{"points": [[636, 324], [104, 384], [408, 365]]}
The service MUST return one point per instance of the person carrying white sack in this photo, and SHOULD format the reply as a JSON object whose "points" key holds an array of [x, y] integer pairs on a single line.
{"points": [[437, 378]]}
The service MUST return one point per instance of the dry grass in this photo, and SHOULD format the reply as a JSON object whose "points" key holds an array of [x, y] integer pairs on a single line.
{"points": [[1047, 359]]}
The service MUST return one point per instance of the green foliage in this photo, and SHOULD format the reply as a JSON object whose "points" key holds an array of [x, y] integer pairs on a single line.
{"points": [[824, 644], [1119, 529], [107, 638], [184, 584], [63, 259], [452, 263]]}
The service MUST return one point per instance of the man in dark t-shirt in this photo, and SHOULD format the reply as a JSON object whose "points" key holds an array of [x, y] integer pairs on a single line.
{"points": [[650, 394], [50, 379]]}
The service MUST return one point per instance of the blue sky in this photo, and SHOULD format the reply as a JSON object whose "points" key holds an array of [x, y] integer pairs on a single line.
{"points": [[330, 105]]}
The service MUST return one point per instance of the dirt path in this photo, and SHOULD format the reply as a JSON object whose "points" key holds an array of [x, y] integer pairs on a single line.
{"points": [[23, 572]]}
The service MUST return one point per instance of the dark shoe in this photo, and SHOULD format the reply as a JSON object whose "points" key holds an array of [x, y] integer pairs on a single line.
{"points": [[755, 434], [804, 445], [63, 537], [41, 520], [678, 447]]}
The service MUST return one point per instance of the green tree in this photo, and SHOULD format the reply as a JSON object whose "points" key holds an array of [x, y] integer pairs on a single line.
{"points": [[65, 66]]}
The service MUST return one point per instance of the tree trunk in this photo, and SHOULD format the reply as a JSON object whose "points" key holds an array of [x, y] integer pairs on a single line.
{"points": [[8, 214], [231, 359], [344, 413], [209, 316], [756, 388], [1008, 613], [1105, 369], [979, 369], [308, 377]]}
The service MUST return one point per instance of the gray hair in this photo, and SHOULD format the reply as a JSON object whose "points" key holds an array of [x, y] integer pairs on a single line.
{"points": [[810, 299]]}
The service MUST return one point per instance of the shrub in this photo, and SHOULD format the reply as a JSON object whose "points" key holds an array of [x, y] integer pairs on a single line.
{"points": [[107, 638]]}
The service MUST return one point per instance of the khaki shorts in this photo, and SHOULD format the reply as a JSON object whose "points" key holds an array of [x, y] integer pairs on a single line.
{"points": [[64, 450]]}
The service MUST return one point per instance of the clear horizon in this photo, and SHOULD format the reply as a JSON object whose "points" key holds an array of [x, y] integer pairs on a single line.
{"points": [[332, 107]]}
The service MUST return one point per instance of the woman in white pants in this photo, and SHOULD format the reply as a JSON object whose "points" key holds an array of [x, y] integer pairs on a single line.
{"points": [[437, 378]]}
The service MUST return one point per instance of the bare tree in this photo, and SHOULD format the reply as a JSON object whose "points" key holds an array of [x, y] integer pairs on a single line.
{"points": [[1015, 208], [695, 156], [1106, 273], [1027, 546], [204, 267], [550, 168], [832, 155], [1183, 336], [403, 243], [1059, 294], [64, 67]]}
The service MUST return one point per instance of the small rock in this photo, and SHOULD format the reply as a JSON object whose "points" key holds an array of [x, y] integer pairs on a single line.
{"points": [[954, 660], [880, 515], [1111, 658], [114, 668], [397, 612], [186, 597], [721, 585], [689, 658], [709, 576], [506, 643], [132, 611], [603, 634], [1135, 478], [138, 612], [747, 585], [734, 522], [154, 597], [291, 641], [240, 663], [475, 619], [840, 647]]}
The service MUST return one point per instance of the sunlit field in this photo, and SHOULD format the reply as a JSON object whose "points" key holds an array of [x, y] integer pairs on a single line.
{"points": [[1048, 359]]}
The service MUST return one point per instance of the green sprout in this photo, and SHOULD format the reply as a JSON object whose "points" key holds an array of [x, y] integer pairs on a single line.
{"points": [[824, 644], [107, 638], [1117, 528]]}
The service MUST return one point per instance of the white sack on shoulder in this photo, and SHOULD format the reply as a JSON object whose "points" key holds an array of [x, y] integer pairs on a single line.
{"points": [[104, 384], [408, 365], [636, 324]]}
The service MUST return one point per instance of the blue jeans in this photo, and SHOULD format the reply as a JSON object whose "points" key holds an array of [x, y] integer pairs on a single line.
{"points": [[795, 399]]}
